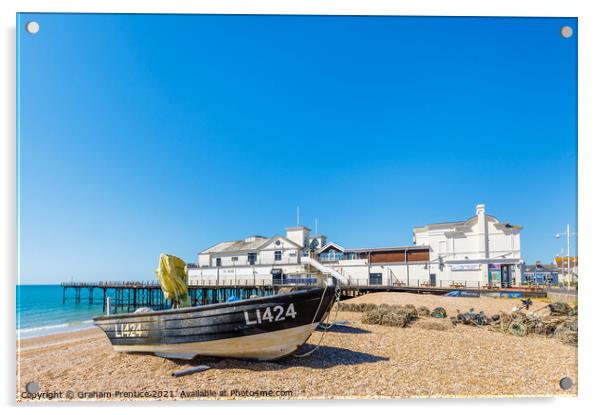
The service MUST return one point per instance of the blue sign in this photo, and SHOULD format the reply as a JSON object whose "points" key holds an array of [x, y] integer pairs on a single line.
{"points": [[511, 294], [463, 294]]}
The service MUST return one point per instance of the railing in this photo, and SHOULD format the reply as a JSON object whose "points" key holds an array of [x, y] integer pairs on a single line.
{"points": [[268, 280], [441, 284], [259, 262], [259, 281], [103, 284]]}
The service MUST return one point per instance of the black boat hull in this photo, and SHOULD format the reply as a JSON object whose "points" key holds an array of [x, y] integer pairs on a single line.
{"points": [[264, 328]]}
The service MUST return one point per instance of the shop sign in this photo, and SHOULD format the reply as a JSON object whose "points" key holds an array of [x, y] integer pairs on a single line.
{"points": [[466, 267]]}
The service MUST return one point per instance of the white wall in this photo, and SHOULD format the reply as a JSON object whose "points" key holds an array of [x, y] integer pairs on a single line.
{"points": [[204, 260], [298, 235], [482, 239], [240, 275]]}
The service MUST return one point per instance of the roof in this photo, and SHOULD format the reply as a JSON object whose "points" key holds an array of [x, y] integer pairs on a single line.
{"points": [[467, 222], [540, 268], [248, 244], [331, 245], [251, 243], [298, 228], [390, 248], [376, 249]]}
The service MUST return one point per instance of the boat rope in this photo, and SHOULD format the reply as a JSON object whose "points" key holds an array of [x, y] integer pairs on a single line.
{"points": [[337, 296]]}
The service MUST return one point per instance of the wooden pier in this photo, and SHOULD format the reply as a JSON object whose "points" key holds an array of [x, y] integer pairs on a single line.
{"points": [[130, 295]]}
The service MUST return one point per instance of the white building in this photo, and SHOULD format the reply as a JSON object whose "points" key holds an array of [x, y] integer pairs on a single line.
{"points": [[479, 250], [256, 259], [393, 265], [473, 252]]}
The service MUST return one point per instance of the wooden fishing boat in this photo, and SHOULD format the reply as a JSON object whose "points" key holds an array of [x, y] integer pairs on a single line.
{"points": [[264, 328]]}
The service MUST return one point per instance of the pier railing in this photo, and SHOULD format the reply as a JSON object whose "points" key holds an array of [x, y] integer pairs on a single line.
{"points": [[268, 281], [111, 284]]}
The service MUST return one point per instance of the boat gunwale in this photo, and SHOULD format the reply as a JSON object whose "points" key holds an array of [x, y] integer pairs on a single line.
{"points": [[227, 313], [208, 306]]}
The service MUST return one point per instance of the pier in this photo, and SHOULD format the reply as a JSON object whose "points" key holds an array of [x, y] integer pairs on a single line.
{"points": [[130, 295]]}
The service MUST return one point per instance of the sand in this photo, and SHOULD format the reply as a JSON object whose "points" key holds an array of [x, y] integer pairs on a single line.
{"points": [[355, 361]]}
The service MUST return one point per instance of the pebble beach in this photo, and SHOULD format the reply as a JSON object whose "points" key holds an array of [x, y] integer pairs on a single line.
{"points": [[354, 360]]}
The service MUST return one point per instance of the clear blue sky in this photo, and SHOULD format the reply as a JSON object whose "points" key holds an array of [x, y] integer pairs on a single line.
{"points": [[142, 134]]}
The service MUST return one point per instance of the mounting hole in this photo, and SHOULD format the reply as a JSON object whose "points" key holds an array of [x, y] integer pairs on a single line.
{"points": [[566, 383], [566, 31], [32, 27], [32, 387]]}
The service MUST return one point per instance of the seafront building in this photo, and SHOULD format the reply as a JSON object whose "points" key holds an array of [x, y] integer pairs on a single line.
{"points": [[474, 252], [539, 273], [481, 248]]}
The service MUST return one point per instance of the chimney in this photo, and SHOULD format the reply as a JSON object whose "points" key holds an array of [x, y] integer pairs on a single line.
{"points": [[480, 209]]}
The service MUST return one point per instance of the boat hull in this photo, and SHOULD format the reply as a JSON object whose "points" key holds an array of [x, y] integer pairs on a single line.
{"points": [[264, 328]]}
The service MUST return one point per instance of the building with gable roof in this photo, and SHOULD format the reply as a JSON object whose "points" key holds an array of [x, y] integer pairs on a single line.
{"points": [[481, 249], [472, 253]]}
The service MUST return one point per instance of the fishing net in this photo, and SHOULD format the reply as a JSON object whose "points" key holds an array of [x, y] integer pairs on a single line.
{"points": [[567, 331], [410, 310], [390, 315], [423, 311], [173, 278], [518, 329], [560, 309], [439, 312], [472, 318], [560, 324], [372, 317], [396, 319]]}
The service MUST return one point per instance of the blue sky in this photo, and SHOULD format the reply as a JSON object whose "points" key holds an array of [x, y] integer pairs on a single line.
{"points": [[142, 134]]}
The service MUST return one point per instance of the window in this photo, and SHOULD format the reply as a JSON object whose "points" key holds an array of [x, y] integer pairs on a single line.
{"points": [[332, 255], [252, 258], [218, 262], [234, 258], [277, 255]]}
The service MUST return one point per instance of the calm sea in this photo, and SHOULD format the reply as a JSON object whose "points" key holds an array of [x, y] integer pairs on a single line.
{"points": [[40, 311]]}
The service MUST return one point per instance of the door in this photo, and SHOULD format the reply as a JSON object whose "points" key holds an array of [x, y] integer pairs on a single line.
{"points": [[376, 278], [506, 278], [277, 276], [433, 280]]}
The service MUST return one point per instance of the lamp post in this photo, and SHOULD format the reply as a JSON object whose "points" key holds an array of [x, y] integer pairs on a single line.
{"points": [[568, 235]]}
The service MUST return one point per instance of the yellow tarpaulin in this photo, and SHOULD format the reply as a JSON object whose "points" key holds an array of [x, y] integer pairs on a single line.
{"points": [[173, 277]]}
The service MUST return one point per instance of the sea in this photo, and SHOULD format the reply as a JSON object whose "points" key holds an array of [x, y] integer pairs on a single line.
{"points": [[40, 311]]}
